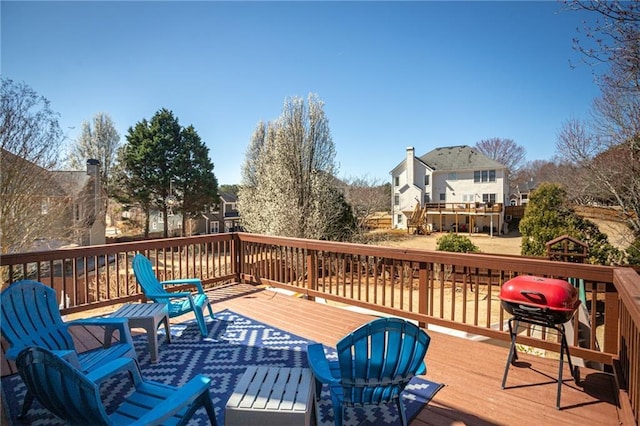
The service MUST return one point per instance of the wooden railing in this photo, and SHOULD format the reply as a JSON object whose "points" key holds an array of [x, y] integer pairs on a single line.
{"points": [[457, 291], [464, 207], [452, 290], [628, 361], [98, 276]]}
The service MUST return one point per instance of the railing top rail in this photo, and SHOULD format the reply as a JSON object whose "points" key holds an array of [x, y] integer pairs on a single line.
{"points": [[628, 291], [107, 249], [487, 261]]}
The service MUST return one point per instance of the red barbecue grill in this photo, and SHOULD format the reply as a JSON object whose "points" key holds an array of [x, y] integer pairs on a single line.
{"points": [[540, 301]]}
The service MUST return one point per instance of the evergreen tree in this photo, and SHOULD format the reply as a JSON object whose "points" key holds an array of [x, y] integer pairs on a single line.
{"points": [[196, 184], [164, 164]]}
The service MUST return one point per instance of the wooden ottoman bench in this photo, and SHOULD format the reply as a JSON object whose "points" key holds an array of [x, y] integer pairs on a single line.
{"points": [[273, 396]]}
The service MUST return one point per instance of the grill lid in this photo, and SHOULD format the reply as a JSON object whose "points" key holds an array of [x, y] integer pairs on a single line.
{"points": [[539, 292]]}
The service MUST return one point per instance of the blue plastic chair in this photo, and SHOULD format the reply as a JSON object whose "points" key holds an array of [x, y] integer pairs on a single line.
{"points": [[75, 397], [30, 317], [375, 364], [178, 303]]}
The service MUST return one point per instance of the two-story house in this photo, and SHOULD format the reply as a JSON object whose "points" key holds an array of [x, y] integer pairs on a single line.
{"points": [[520, 195], [223, 217], [46, 209], [458, 187], [89, 203]]}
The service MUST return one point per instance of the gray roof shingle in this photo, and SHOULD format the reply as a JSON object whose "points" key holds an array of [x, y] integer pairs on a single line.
{"points": [[461, 157]]}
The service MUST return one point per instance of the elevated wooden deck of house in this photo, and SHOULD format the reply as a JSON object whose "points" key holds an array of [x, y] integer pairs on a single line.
{"points": [[471, 371]]}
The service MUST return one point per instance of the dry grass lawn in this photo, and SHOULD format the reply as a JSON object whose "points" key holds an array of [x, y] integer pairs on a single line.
{"points": [[511, 243]]}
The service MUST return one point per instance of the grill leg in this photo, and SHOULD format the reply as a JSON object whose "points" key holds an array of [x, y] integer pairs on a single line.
{"points": [[562, 346], [575, 372], [513, 356]]}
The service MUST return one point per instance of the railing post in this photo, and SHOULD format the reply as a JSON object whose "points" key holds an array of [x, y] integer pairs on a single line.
{"points": [[312, 271], [611, 315], [422, 290], [237, 257]]}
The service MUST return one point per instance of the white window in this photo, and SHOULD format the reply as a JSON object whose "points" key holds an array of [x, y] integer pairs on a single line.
{"points": [[396, 180], [396, 200], [488, 198], [399, 219], [484, 176], [426, 180], [427, 198], [215, 227]]}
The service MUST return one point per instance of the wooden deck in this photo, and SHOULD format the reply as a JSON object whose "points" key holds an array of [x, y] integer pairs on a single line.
{"points": [[471, 371]]}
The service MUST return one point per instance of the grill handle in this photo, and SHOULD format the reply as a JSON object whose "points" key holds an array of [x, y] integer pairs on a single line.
{"points": [[530, 308], [532, 295]]}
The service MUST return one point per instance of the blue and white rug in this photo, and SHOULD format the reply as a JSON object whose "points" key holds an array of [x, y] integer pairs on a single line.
{"points": [[233, 343]]}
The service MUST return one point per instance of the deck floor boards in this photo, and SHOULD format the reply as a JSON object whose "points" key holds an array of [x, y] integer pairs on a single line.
{"points": [[471, 371]]}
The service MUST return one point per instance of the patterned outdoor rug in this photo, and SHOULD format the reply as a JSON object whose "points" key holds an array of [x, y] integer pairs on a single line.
{"points": [[233, 343]]}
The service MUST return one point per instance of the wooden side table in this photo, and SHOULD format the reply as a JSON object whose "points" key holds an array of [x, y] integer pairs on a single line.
{"points": [[147, 316], [272, 395]]}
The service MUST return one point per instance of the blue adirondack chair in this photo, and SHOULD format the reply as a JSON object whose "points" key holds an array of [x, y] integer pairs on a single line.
{"points": [[75, 397], [375, 364], [30, 317], [179, 303]]}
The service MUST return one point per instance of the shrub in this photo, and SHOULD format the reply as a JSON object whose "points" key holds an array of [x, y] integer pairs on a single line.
{"points": [[456, 243], [548, 215], [633, 253]]}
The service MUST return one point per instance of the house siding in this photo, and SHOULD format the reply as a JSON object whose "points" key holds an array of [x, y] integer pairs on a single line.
{"points": [[456, 183]]}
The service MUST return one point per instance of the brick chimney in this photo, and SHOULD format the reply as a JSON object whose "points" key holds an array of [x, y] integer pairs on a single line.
{"points": [[93, 167], [96, 213]]}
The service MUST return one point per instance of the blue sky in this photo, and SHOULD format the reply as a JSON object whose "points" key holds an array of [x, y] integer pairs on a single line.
{"points": [[391, 74]]}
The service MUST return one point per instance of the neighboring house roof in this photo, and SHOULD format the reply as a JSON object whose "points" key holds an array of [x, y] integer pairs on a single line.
{"points": [[228, 197], [73, 182], [461, 157], [62, 184], [527, 186], [23, 168]]}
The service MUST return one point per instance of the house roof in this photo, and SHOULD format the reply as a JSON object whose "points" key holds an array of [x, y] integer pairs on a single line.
{"points": [[73, 182], [461, 157], [526, 187], [228, 197], [50, 183]]}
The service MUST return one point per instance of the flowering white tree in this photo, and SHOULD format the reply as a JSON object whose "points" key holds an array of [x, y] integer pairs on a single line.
{"points": [[288, 177], [99, 140]]}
